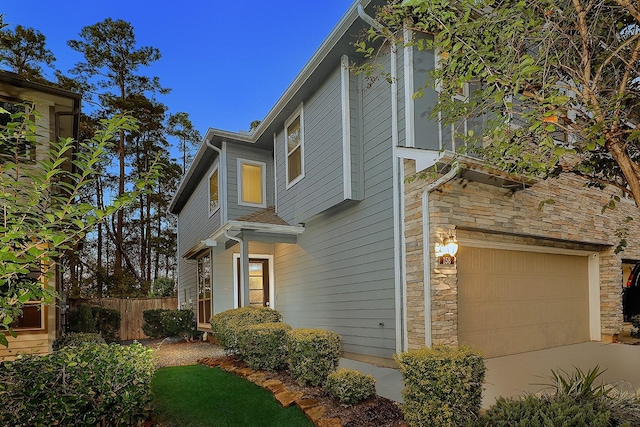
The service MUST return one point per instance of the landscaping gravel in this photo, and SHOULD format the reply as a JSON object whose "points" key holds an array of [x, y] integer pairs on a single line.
{"points": [[178, 352]]}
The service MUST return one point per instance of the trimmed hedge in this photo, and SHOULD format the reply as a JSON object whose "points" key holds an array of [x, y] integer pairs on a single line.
{"points": [[107, 322], [443, 385], [152, 326], [81, 320], [350, 386], [264, 346], [313, 354], [88, 319], [78, 386], [179, 323], [74, 339], [226, 325]]}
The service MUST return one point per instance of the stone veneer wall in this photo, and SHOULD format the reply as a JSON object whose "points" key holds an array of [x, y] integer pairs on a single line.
{"points": [[491, 213]]}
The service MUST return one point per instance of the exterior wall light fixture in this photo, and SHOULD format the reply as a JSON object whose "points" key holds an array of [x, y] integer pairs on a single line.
{"points": [[447, 250]]}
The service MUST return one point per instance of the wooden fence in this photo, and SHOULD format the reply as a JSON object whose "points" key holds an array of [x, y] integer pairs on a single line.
{"points": [[130, 311]]}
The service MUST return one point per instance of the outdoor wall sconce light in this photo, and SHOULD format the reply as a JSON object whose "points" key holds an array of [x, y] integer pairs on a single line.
{"points": [[447, 250]]}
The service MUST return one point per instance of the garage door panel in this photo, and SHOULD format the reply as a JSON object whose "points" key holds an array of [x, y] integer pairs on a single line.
{"points": [[515, 301]]}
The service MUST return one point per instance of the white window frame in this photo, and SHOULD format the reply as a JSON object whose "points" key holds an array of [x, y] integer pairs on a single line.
{"points": [[298, 113], [263, 178], [217, 208]]}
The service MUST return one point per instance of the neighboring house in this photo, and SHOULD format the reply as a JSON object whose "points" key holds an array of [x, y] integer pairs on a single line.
{"points": [[312, 214], [59, 113]]}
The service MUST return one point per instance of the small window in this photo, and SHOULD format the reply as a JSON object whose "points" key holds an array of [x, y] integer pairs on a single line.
{"points": [[294, 137], [251, 180], [214, 192], [204, 289], [21, 148], [32, 317]]}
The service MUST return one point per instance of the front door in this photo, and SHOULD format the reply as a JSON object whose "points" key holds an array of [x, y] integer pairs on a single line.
{"points": [[258, 283]]}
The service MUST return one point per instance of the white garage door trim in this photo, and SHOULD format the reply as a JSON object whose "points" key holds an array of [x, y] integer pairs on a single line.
{"points": [[593, 265]]}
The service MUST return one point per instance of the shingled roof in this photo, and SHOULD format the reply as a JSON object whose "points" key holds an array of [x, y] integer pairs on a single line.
{"points": [[264, 216]]}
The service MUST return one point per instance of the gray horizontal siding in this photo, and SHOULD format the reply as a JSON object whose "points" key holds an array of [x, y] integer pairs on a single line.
{"points": [[322, 186], [426, 129], [194, 225], [340, 275], [233, 153]]}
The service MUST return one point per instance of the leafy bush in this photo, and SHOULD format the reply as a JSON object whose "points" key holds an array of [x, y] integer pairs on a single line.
{"points": [[350, 386], [264, 346], [443, 385], [543, 411], [74, 339], [152, 326], [179, 323], [623, 406], [313, 354], [87, 319], [81, 320], [226, 325], [78, 386], [107, 322]]}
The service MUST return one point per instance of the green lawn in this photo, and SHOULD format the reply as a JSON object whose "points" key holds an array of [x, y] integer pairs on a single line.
{"points": [[200, 396]]}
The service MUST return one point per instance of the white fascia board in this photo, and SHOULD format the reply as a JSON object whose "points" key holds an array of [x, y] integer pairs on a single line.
{"points": [[424, 158], [329, 43]]}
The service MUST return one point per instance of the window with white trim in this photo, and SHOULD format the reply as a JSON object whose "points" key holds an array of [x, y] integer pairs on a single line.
{"points": [[204, 289], [294, 141], [252, 177], [33, 315], [214, 191]]}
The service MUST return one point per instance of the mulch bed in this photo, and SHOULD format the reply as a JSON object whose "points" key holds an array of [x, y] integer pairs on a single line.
{"points": [[376, 411]]}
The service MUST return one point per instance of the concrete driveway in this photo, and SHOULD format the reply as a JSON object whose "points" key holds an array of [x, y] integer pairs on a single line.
{"points": [[518, 374]]}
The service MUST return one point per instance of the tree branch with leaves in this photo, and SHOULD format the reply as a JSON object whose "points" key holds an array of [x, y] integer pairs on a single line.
{"points": [[41, 215]]}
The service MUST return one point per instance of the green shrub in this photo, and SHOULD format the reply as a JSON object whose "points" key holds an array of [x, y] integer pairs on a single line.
{"points": [[78, 386], [107, 322], [543, 411], [264, 346], [623, 406], [225, 325], [350, 386], [74, 339], [313, 354], [152, 326], [179, 323], [81, 320], [443, 385]]}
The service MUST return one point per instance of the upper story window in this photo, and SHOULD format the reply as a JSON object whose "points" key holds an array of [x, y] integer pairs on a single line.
{"points": [[214, 191], [252, 177], [294, 138], [10, 119], [466, 134]]}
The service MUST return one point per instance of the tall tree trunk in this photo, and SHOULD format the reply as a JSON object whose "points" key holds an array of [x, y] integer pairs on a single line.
{"points": [[120, 215]]}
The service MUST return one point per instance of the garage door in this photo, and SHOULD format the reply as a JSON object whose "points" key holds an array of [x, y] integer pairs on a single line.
{"points": [[513, 301]]}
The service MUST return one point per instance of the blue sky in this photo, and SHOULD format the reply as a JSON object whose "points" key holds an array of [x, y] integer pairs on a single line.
{"points": [[227, 62]]}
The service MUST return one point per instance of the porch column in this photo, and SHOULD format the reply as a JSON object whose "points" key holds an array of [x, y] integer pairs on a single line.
{"points": [[244, 271]]}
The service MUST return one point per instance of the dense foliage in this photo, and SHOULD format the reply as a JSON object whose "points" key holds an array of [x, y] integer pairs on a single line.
{"points": [[264, 346], [350, 386], [86, 385], [553, 82], [313, 354], [226, 326], [443, 385]]}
